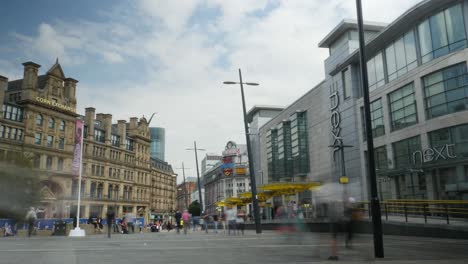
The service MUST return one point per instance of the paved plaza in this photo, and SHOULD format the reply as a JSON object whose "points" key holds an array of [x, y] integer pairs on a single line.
{"points": [[199, 247]]}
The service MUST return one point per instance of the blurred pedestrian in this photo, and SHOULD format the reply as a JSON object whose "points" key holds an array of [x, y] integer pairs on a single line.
{"points": [[231, 219], [240, 222], [110, 219], [186, 219], [124, 226], [206, 220], [350, 216], [178, 217], [31, 218], [215, 222]]}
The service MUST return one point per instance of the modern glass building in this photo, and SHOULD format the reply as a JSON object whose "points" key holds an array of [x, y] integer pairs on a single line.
{"points": [[158, 142], [417, 67], [420, 103]]}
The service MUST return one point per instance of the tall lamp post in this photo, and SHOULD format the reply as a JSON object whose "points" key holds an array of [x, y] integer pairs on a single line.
{"points": [[185, 185], [253, 185], [198, 172], [375, 203]]}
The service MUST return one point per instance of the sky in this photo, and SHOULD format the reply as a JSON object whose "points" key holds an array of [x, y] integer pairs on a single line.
{"points": [[134, 58]]}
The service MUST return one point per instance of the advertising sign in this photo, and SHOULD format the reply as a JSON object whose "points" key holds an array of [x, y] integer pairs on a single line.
{"points": [[241, 171], [231, 149]]}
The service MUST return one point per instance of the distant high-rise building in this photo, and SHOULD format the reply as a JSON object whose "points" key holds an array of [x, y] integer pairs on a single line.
{"points": [[158, 142]]}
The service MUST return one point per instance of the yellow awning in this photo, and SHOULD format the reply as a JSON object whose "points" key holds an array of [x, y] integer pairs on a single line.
{"points": [[289, 188]]}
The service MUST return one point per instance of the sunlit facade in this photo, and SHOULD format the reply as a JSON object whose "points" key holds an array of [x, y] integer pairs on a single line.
{"points": [[38, 115]]}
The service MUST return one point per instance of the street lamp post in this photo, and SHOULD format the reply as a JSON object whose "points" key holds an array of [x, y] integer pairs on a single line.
{"points": [[258, 227], [375, 203], [198, 172], [185, 186]]}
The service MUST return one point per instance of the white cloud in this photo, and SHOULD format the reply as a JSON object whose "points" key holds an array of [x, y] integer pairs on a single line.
{"points": [[186, 64]]}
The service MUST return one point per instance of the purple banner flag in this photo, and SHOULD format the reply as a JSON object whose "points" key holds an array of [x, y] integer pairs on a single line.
{"points": [[76, 165]]}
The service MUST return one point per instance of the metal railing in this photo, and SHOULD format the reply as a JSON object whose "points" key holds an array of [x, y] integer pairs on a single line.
{"points": [[427, 209]]}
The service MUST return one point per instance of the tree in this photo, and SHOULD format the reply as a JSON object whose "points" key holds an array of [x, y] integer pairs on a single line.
{"points": [[19, 186], [194, 208]]}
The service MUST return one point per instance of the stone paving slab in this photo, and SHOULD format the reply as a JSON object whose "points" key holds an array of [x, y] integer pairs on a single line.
{"points": [[199, 247]]}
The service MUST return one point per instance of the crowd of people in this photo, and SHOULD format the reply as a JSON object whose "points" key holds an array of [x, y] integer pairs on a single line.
{"points": [[231, 221]]}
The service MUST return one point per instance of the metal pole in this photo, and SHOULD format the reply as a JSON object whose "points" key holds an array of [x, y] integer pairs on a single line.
{"points": [[253, 185], [80, 172], [198, 177], [375, 203], [185, 187]]}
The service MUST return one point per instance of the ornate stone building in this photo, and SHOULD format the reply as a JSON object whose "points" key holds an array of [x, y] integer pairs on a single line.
{"points": [[38, 117]]}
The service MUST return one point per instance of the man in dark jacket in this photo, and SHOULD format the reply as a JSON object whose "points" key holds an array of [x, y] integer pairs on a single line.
{"points": [[177, 217], [110, 220]]}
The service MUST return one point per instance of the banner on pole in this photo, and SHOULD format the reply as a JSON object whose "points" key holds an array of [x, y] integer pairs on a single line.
{"points": [[76, 164]]}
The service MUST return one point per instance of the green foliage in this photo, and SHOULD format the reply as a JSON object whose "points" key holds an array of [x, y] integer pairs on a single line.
{"points": [[194, 208], [19, 187]]}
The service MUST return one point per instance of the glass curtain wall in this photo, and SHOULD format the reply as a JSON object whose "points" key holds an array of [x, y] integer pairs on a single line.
{"points": [[403, 107], [378, 127], [442, 33], [446, 91]]}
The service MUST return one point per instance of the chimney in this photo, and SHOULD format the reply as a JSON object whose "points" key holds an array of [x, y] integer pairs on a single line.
{"points": [[100, 118], [3, 88], [108, 127], [89, 121], [122, 130], [30, 75], [133, 122], [70, 89]]}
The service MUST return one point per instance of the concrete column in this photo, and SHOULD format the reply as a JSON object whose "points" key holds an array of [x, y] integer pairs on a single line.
{"points": [[104, 211], [87, 189], [86, 212], [460, 173], [119, 211], [105, 189], [430, 188]]}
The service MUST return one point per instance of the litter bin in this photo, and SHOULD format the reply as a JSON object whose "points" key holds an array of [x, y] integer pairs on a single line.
{"points": [[60, 228]]}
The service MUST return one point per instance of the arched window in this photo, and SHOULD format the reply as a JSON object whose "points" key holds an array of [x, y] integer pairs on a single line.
{"points": [[99, 190], [62, 125], [116, 192], [110, 191], [92, 192], [51, 122], [125, 193], [39, 120]]}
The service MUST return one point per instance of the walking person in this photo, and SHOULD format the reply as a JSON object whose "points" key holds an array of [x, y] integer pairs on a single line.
{"points": [[186, 219], [215, 222], [231, 219], [31, 218], [178, 217], [240, 222], [206, 221], [124, 226], [110, 219]]}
